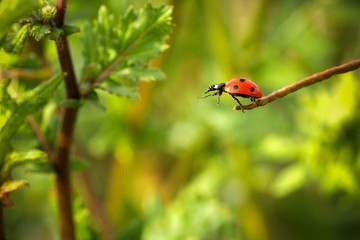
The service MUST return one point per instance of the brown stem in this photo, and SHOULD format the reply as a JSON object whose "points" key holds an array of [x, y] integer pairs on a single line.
{"points": [[282, 92], [63, 182], [62, 151], [2, 227]]}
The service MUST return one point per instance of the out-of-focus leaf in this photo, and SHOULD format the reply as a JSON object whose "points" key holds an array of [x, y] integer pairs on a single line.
{"points": [[17, 43], [132, 231], [141, 73], [195, 213], [8, 187], [118, 89], [72, 103], [289, 180], [27, 103], [77, 164], [94, 99], [90, 47], [18, 158], [13, 10]]}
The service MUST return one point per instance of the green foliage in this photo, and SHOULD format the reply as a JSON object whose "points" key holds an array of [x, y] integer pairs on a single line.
{"points": [[16, 44], [197, 212], [288, 170], [7, 185], [18, 158], [38, 25], [325, 155], [15, 111], [130, 42], [12, 11]]}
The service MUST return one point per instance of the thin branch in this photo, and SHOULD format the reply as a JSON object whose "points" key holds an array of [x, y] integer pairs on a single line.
{"points": [[109, 69], [95, 206], [40, 135], [282, 92]]}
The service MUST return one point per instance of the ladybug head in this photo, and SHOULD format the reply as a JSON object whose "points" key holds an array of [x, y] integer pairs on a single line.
{"points": [[216, 87]]}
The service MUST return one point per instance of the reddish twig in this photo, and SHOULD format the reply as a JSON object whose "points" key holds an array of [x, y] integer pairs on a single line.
{"points": [[39, 135], [282, 92], [62, 152], [95, 207], [109, 69]]}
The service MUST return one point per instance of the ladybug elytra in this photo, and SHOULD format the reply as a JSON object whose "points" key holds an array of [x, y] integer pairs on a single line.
{"points": [[241, 87]]}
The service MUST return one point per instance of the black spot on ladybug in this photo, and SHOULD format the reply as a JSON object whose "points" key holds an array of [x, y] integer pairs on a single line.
{"points": [[252, 89], [242, 79], [236, 87]]}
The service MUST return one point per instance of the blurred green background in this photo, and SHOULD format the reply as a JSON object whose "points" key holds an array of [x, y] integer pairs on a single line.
{"points": [[169, 166]]}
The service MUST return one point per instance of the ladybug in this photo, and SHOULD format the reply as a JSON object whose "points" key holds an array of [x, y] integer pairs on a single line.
{"points": [[241, 87]]}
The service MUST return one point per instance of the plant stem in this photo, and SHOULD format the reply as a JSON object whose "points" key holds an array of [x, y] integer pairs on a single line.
{"points": [[40, 135], [282, 92], [62, 151], [2, 228]]}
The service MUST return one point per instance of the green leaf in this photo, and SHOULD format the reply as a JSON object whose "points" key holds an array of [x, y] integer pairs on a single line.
{"points": [[39, 31], [28, 103], [90, 47], [68, 29], [148, 31], [118, 89], [18, 158], [130, 42], [141, 73], [55, 33], [94, 99], [16, 44], [8, 187]]}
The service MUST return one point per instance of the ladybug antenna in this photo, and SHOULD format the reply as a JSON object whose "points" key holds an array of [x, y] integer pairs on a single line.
{"points": [[206, 96]]}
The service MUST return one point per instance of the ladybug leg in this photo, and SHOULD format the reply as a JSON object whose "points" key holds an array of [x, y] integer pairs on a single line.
{"points": [[237, 100], [254, 100]]}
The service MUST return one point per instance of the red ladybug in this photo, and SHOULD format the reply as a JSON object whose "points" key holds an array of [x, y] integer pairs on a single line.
{"points": [[241, 87]]}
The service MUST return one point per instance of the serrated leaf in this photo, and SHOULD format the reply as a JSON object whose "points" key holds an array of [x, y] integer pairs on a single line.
{"points": [[39, 31], [8, 187], [118, 89], [141, 73], [129, 42], [28, 103], [18, 158]]}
